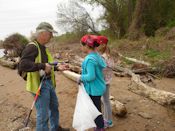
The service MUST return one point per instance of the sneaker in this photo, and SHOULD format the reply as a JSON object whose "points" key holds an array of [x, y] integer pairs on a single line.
{"points": [[108, 124]]}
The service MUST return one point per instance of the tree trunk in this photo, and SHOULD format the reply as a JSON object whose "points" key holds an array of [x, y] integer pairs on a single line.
{"points": [[130, 11], [136, 24], [135, 60]]}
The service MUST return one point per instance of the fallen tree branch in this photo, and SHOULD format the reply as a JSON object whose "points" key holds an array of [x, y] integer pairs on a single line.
{"points": [[118, 108], [71, 75], [145, 70], [135, 60]]}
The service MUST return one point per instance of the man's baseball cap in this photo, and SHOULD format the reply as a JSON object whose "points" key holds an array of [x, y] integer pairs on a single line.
{"points": [[102, 39], [44, 26]]}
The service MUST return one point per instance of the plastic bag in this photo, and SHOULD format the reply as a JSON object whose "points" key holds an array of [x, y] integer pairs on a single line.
{"points": [[85, 111]]}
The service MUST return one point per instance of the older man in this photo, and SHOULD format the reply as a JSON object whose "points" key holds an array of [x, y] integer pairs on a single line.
{"points": [[35, 61]]}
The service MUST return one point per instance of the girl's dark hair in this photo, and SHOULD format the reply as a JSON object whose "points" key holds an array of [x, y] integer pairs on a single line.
{"points": [[95, 44], [83, 43]]}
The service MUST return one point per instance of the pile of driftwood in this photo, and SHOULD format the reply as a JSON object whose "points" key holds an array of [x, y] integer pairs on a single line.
{"points": [[138, 85], [9, 62]]}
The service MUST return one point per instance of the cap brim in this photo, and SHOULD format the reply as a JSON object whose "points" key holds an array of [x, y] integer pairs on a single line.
{"points": [[49, 30], [53, 31]]}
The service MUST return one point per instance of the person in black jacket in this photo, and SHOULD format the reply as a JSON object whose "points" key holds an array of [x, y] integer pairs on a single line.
{"points": [[35, 61]]}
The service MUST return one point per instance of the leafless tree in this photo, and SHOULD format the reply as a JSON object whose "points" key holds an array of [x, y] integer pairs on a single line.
{"points": [[74, 17]]}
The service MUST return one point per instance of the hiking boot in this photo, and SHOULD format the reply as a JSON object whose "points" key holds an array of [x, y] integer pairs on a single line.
{"points": [[63, 129], [108, 124]]}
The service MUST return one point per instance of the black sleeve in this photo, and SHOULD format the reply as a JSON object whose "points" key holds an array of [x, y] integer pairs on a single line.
{"points": [[27, 62], [55, 68]]}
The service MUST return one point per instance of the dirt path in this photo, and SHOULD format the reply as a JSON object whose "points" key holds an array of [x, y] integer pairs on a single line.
{"points": [[143, 114]]}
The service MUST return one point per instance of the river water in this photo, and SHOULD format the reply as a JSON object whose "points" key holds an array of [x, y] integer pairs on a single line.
{"points": [[1, 53]]}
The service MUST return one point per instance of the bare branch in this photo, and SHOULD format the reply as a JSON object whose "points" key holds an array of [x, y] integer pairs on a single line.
{"points": [[74, 17]]}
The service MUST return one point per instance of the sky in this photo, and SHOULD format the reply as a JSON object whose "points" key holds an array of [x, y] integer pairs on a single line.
{"points": [[23, 16]]}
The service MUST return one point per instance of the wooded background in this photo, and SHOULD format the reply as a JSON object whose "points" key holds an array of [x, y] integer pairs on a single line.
{"points": [[124, 18]]}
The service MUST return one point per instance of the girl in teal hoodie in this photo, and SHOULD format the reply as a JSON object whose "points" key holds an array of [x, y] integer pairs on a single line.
{"points": [[92, 75]]}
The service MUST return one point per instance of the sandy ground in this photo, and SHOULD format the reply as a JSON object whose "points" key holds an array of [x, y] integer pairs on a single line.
{"points": [[15, 104]]}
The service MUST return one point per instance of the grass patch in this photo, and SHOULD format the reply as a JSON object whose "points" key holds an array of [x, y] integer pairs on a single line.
{"points": [[152, 53], [155, 56], [128, 62]]}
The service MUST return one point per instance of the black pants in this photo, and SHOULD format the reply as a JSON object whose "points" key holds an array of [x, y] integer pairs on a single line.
{"points": [[97, 102]]}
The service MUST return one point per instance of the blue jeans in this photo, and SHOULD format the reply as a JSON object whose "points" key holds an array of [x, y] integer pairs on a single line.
{"points": [[47, 108]]}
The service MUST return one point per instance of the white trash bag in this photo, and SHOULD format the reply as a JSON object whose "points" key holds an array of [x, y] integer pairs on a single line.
{"points": [[85, 111]]}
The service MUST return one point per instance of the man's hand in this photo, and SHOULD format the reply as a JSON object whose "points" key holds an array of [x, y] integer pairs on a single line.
{"points": [[48, 68]]}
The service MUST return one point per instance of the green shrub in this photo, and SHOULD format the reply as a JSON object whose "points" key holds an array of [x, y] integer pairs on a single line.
{"points": [[171, 23]]}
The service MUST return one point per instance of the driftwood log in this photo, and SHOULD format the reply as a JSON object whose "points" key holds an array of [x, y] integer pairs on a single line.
{"points": [[146, 70], [71, 75], [135, 60], [118, 108], [7, 63], [137, 86], [162, 97]]}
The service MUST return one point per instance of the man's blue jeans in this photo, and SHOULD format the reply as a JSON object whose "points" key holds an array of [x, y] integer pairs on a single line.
{"points": [[47, 108]]}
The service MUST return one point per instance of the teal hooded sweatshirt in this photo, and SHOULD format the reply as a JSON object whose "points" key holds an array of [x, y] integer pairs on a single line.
{"points": [[92, 74]]}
